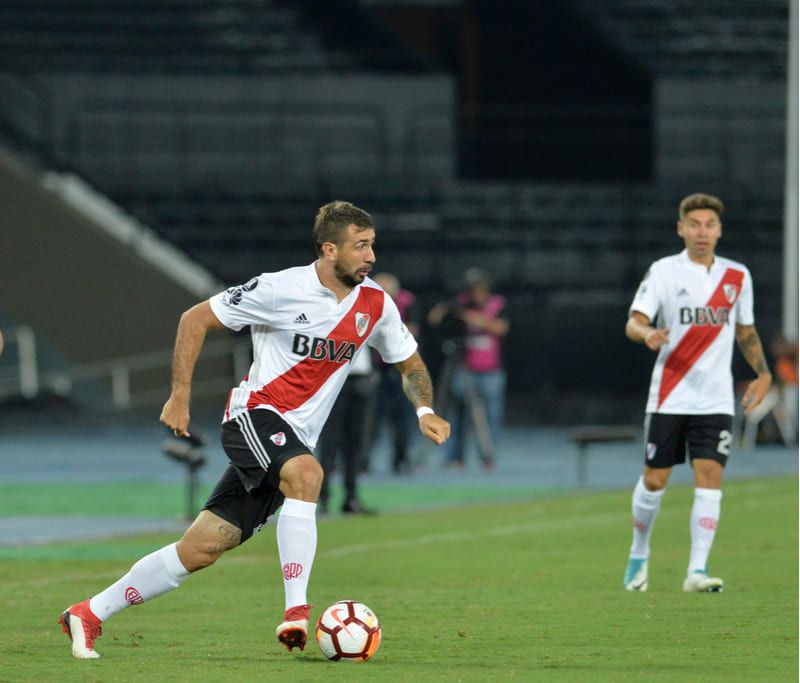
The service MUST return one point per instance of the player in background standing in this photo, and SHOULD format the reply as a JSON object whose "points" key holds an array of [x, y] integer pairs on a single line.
{"points": [[391, 404], [347, 433], [703, 302], [308, 324]]}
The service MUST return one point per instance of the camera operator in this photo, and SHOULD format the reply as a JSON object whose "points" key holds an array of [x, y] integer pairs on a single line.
{"points": [[475, 324]]}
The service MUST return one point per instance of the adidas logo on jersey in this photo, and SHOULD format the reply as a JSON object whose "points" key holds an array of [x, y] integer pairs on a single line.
{"points": [[301, 320], [683, 292]]}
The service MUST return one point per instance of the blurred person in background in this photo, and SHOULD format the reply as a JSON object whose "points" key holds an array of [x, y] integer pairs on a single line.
{"points": [[391, 405], [785, 354], [307, 325], [703, 302], [780, 401], [347, 433], [473, 376]]}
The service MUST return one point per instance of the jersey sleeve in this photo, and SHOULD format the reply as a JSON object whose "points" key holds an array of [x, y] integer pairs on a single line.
{"points": [[648, 297], [744, 304], [252, 303], [391, 338]]}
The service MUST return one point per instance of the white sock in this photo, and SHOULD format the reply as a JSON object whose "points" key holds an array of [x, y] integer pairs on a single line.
{"points": [[297, 545], [153, 575], [644, 507], [703, 526]]}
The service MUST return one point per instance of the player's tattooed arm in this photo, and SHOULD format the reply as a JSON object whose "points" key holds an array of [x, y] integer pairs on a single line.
{"points": [[418, 388], [750, 346], [417, 384]]}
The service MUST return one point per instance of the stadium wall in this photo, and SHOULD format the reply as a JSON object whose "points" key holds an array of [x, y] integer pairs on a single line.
{"points": [[82, 291]]}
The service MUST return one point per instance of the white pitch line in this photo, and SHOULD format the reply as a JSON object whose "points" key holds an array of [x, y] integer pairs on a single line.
{"points": [[584, 519], [53, 580], [513, 529]]}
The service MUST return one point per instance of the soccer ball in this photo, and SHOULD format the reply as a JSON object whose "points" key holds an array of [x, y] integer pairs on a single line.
{"points": [[348, 631]]}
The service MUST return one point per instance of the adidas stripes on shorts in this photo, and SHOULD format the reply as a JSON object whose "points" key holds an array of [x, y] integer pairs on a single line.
{"points": [[257, 443]]}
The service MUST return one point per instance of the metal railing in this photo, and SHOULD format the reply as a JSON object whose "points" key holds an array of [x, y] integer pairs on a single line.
{"points": [[21, 375], [24, 376]]}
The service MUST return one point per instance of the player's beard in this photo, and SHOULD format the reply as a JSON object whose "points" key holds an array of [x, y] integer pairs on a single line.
{"points": [[347, 278]]}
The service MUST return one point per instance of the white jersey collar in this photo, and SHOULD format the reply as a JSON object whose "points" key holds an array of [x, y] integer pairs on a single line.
{"points": [[684, 256], [317, 286], [314, 281]]}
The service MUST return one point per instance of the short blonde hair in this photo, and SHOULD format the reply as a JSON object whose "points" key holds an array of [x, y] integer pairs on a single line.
{"points": [[700, 201]]}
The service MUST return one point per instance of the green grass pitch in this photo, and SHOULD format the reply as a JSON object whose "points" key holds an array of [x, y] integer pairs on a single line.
{"points": [[527, 591]]}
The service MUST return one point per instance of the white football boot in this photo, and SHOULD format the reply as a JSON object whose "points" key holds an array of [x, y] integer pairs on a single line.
{"points": [[700, 582]]}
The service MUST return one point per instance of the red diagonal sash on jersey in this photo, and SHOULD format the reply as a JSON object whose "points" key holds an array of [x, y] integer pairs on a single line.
{"points": [[698, 338], [300, 382]]}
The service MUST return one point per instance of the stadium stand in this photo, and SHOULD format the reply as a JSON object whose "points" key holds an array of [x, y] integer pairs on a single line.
{"points": [[188, 36], [204, 120], [93, 35], [685, 38]]}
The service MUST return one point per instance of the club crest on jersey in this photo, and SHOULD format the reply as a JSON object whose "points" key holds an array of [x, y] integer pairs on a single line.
{"points": [[362, 323], [730, 292], [651, 450], [278, 439]]}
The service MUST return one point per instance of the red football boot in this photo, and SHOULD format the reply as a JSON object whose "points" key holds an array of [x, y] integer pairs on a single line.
{"points": [[83, 628], [294, 629]]}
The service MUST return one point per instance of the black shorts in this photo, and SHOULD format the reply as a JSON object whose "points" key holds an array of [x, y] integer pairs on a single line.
{"points": [[257, 443], [668, 436]]}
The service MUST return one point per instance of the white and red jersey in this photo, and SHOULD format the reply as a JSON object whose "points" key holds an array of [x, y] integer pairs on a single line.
{"points": [[701, 307], [304, 341]]}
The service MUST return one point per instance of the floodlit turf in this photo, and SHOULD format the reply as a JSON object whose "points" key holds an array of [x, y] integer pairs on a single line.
{"points": [[151, 499], [525, 592]]}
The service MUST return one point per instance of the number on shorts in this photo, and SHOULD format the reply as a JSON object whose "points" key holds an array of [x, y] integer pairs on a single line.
{"points": [[724, 445]]}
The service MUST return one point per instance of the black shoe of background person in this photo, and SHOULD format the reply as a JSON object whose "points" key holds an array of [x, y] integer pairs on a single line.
{"points": [[401, 467], [355, 507]]}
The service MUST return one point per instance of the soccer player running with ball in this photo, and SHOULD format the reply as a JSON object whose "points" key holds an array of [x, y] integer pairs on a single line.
{"points": [[308, 324], [703, 302]]}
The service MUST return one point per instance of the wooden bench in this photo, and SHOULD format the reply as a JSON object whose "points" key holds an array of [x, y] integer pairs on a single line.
{"points": [[588, 434]]}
